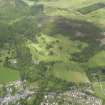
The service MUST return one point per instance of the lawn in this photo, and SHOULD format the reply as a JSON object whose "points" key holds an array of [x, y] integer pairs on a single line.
{"points": [[99, 89], [98, 60], [67, 73], [8, 75]]}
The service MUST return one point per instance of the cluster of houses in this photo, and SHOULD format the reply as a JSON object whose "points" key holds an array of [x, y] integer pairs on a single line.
{"points": [[14, 99], [72, 97]]}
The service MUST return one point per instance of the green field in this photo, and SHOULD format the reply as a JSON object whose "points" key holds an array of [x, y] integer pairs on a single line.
{"points": [[98, 60], [60, 49], [8, 75], [70, 73], [50, 49], [99, 89]]}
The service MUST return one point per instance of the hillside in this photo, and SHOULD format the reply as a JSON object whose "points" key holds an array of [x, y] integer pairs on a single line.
{"points": [[55, 46]]}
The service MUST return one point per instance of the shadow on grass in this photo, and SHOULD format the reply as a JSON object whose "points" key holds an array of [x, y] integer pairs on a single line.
{"points": [[91, 8], [82, 31]]}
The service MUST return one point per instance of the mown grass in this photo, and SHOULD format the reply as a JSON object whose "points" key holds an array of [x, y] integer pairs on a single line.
{"points": [[98, 60], [99, 89], [8, 75], [70, 73]]}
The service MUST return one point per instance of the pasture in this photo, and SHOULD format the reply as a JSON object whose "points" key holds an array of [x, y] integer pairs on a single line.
{"points": [[8, 75], [99, 88], [67, 73]]}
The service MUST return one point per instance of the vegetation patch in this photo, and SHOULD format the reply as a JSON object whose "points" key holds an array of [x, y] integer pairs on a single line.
{"points": [[91, 8], [67, 73], [99, 88], [8, 75], [98, 60]]}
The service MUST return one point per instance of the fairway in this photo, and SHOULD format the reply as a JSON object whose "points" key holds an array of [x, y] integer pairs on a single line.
{"points": [[8, 75]]}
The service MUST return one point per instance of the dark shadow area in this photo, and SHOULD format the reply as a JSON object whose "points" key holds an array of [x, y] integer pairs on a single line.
{"points": [[91, 8], [88, 52], [97, 74], [82, 31], [76, 29]]}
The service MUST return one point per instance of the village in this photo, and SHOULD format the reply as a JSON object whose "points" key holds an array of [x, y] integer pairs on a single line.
{"points": [[73, 96]]}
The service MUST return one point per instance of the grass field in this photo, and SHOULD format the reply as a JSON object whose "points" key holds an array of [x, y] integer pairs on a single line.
{"points": [[52, 49], [8, 75], [98, 60], [67, 73], [99, 89]]}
